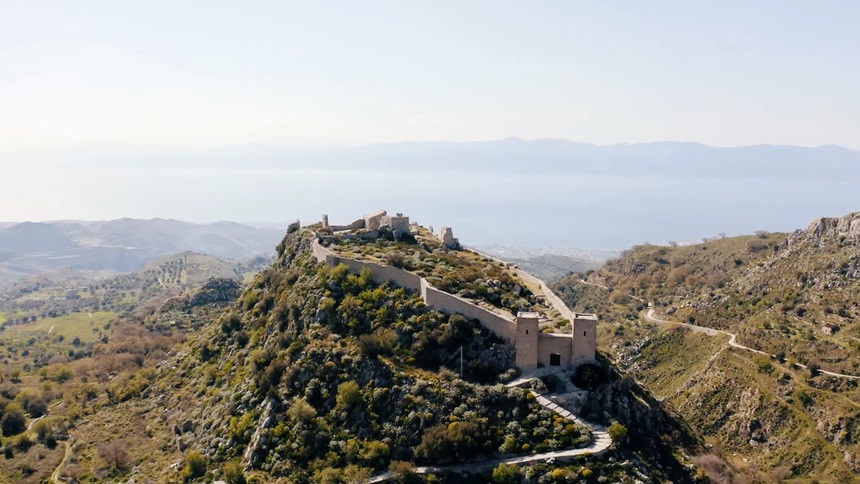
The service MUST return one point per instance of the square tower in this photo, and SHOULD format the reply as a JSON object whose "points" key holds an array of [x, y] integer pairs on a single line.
{"points": [[527, 340], [584, 337]]}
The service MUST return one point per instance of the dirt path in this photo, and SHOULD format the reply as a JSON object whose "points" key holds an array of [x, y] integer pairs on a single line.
{"points": [[55, 476], [51, 329], [649, 316]]}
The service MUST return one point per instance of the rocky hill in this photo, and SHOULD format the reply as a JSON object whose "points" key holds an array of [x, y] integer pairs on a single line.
{"points": [[780, 401], [316, 374]]}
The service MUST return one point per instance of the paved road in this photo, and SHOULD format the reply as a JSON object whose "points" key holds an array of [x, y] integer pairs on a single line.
{"points": [[649, 316]]}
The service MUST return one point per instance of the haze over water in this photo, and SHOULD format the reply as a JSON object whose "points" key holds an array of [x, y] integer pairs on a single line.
{"points": [[521, 209]]}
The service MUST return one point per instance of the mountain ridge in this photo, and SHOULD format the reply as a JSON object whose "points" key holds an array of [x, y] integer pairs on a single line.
{"points": [[122, 245]]}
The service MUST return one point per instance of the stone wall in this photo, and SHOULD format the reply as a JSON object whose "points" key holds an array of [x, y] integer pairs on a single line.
{"points": [[319, 252], [532, 347], [527, 341], [559, 344], [381, 274], [449, 303], [551, 298], [584, 337]]}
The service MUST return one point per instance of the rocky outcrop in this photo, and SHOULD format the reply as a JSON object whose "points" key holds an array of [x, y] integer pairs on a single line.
{"points": [[846, 226]]}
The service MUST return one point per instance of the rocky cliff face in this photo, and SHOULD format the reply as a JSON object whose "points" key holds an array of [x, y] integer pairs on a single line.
{"points": [[846, 226]]}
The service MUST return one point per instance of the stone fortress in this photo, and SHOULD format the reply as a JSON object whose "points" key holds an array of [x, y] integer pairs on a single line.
{"points": [[534, 348]]}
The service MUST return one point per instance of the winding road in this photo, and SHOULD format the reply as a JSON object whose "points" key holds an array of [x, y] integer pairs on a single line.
{"points": [[600, 441], [55, 476], [649, 316]]}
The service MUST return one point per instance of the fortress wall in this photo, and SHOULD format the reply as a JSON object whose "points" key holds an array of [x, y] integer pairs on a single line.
{"points": [[555, 343], [380, 273], [551, 298], [358, 224], [584, 338], [320, 253], [498, 324], [572, 349]]}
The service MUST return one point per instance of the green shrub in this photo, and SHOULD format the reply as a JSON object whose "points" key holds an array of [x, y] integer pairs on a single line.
{"points": [[617, 431], [233, 472], [506, 474], [13, 422], [195, 466]]}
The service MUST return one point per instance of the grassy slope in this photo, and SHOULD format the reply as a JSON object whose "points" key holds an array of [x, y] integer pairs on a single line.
{"points": [[752, 286], [68, 326]]}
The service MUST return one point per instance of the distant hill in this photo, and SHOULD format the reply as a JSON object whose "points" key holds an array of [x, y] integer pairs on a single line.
{"points": [[550, 263], [123, 245]]}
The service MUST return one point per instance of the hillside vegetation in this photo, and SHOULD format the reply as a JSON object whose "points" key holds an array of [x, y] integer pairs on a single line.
{"points": [[316, 374], [776, 292], [124, 245]]}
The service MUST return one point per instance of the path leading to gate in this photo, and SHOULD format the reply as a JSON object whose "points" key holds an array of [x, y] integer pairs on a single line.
{"points": [[600, 441]]}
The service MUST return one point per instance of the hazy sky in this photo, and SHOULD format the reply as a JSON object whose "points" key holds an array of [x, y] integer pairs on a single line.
{"points": [[205, 73]]}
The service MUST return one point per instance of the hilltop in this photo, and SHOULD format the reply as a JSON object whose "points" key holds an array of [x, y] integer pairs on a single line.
{"points": [[319, 373], [788, 304]]}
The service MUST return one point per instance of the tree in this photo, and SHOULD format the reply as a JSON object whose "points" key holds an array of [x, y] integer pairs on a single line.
{"points": [[44, 428], [114, 453], [13, 421], [673, 243], [617, 431]]}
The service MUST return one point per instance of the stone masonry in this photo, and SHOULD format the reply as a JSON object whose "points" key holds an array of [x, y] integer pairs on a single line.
{"points": [[533, 347]]}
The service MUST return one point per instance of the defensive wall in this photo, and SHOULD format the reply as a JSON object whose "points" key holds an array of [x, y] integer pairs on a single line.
{"points": [[499, 324], [532, 346]]}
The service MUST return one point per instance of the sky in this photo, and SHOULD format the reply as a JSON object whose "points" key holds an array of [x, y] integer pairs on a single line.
{"points": [[90, 90], [122, 74]]}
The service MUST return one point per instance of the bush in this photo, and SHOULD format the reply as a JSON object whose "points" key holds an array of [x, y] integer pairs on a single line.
{"points": [[457, 441], [403, 472], [348, 394], [764, 364], [13, 421], [114, 453], [44, 428], [195, 466], [617, 431], [233, 472], [506, 474]]}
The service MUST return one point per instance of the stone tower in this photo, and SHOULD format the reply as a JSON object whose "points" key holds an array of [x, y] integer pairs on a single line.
{"points": [[527, 341], [325, 221], [584, 337]]}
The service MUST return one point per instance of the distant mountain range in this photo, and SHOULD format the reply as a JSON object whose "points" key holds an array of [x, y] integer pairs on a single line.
{"points": [[122, 245], [684, 159]]}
